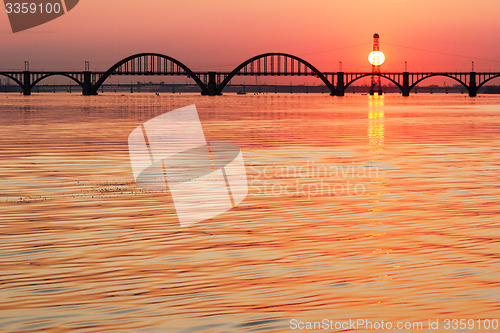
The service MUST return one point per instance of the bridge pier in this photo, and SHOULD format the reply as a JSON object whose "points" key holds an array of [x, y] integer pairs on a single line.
{"points": [[212, 85], [340, 87], [26, 83], [405, 90], [87, 84], [472, 85]]}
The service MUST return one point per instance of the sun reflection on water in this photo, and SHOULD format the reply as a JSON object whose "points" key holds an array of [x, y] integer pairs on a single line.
{"points": [[376, 122]]}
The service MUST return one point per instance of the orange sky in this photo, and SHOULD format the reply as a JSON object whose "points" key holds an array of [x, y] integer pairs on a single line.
{"points": [[434, 35]]}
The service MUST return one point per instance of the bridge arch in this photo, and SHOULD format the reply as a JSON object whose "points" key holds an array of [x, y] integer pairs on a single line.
{"points": [[34, 83], [487, 80], [235, 71], [187, 71], [376, 74], [13, 79], [414, 84]]}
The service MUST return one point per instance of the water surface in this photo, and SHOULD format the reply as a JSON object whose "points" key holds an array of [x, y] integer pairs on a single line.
{"points": [[384, 208]]}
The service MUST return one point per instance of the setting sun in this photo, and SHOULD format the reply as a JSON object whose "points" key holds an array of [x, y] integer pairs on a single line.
{"points": [[376, 58]]}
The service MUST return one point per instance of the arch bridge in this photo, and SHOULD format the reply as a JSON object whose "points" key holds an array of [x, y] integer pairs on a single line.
{"points": [[212, 83]]}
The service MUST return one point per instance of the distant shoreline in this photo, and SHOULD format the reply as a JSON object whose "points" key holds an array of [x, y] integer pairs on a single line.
{"points": [[249, 89]]}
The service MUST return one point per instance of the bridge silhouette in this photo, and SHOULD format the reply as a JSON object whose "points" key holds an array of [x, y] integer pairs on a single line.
{"points": [[212, 83]]}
